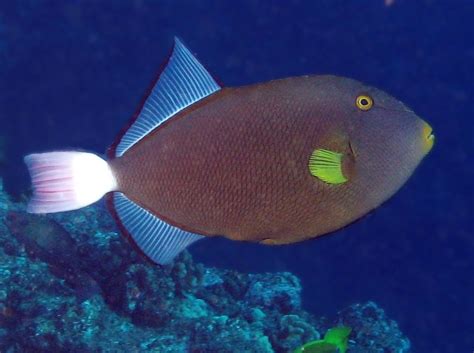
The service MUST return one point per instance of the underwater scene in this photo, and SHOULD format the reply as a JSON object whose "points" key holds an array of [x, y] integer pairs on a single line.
{"points": [[237, 176]]}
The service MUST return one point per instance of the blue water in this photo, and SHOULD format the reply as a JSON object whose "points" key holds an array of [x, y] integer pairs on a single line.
{"points": [[72, 74]]}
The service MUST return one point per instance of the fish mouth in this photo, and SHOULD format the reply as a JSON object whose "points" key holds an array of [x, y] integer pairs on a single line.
{"points": [[428, 137]]}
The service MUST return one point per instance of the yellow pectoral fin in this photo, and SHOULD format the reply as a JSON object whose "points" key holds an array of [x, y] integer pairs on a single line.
{"points": [[326, 165]]}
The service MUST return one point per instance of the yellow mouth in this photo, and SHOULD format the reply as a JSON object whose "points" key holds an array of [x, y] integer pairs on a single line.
{"points": [[428, 138]]}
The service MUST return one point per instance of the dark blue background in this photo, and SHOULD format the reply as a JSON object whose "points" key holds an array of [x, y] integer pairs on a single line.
{"points": [[73, 72]]}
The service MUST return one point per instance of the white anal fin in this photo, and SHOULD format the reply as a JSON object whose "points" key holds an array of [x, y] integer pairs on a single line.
{"points": [[183, 82], [157, 239]]}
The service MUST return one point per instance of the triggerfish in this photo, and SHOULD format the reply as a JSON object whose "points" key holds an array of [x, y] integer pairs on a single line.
{"points": [[275, 163]]}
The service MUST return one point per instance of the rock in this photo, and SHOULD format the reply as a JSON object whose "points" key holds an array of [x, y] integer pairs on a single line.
{"points": [[292, 330], [372, 331], [282, 291]]}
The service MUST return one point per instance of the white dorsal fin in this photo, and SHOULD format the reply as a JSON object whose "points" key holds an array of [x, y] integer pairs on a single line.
{"points": [[157, 239], [183, 82]]}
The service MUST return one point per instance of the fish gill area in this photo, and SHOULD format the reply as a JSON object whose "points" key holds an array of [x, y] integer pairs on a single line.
{"points": [[70, 283]]}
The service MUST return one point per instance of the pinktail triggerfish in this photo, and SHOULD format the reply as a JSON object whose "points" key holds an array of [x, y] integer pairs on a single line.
{"points": [[275, 162]]}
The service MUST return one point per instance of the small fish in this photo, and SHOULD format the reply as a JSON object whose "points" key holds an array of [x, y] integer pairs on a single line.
{"points": [[335, 340], [275, 163]]}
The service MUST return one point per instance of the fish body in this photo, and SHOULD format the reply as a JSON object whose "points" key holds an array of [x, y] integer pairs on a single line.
{"points": [[277, 162], [236, 165]]}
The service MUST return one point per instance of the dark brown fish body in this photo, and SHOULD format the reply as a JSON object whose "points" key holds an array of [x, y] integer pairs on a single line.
{"points": [[277, 162], [235, 164]]}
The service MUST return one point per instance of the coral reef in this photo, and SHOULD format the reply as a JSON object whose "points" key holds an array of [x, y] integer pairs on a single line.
{"points": [[70, 283], [372, 331]]}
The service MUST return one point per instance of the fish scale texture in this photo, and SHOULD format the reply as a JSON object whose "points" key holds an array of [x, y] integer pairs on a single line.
{"points": [[236, 164]]}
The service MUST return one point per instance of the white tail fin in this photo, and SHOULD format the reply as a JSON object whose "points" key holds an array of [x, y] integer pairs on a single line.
{"points": [[64, 181]]}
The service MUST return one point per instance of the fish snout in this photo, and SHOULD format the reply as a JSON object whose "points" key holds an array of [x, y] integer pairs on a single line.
{"points": [[428, 138]]}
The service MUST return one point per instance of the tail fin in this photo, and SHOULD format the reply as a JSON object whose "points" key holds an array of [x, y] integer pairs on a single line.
{"points": [[64, 181]]}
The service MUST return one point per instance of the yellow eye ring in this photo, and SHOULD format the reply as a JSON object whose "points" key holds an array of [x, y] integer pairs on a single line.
{"points": [[364, 102]]}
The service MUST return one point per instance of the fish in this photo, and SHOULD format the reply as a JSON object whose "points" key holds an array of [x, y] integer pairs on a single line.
{"points": [[335, 340], [274, 163]]}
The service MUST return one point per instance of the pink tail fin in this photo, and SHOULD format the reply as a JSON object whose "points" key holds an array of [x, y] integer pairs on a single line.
{"points": [[64, 181]]}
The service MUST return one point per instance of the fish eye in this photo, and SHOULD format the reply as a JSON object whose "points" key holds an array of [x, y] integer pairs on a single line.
{"points": [[364, 102]]}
